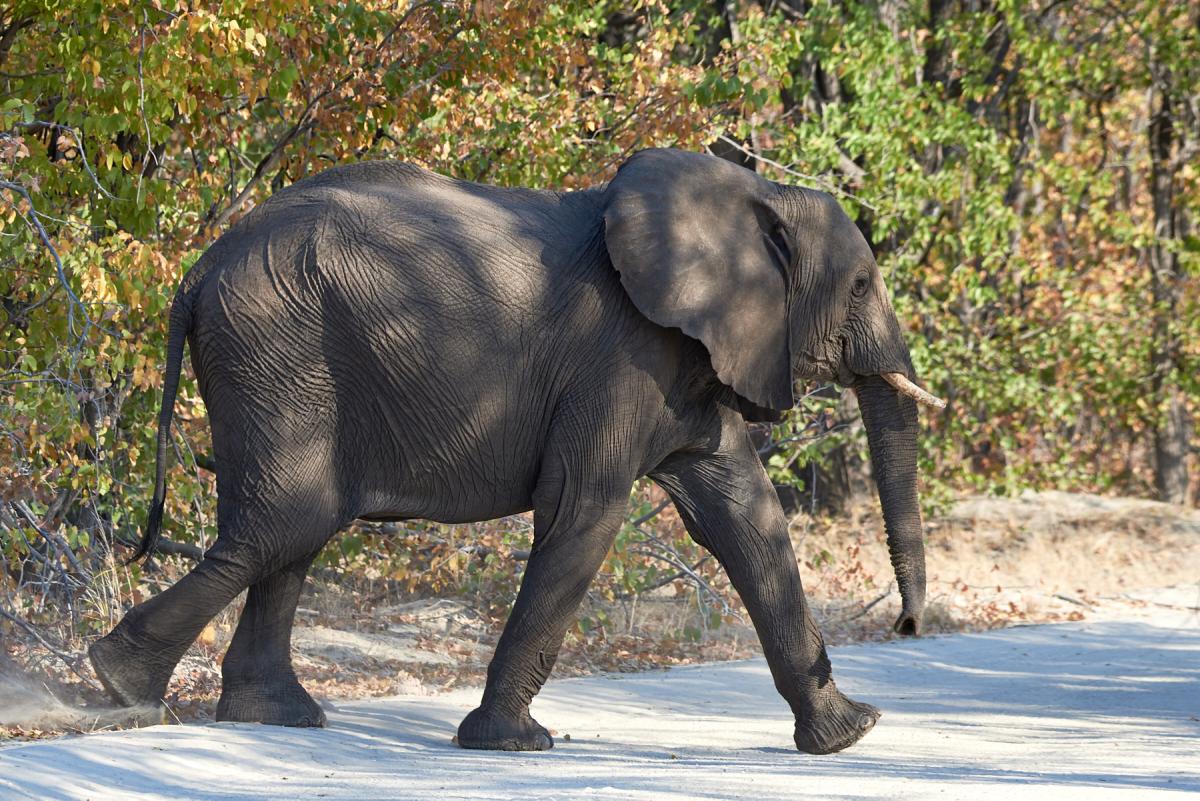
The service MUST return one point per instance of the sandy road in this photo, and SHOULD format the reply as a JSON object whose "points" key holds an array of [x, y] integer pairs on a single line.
{"points": [[1102, 709]]}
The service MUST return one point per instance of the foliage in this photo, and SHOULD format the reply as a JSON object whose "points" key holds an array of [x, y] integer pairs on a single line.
{"points": [[999, 161]]}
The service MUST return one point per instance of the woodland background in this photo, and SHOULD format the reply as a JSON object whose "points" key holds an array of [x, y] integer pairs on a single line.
{"points": [[1027, 174]]}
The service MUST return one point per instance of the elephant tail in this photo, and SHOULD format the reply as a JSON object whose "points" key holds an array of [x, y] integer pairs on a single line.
{"points": [[178, 327]]}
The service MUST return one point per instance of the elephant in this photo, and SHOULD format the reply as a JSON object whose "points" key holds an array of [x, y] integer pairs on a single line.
{"points": [[384, 343]]}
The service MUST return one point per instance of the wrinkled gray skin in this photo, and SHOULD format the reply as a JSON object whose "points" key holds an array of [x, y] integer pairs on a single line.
{"points": [[381, 342]]}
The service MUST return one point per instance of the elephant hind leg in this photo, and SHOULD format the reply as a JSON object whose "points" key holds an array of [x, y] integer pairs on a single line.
{"points": [[136, 659], [258, 683]]}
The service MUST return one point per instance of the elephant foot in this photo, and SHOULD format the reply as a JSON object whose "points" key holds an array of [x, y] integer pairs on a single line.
{"points": [[123, 670], [494, 731], [835, 723], [284, 703]]}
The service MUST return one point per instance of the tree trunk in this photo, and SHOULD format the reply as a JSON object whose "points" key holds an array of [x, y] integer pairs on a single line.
{"points": [[1172, 423]]}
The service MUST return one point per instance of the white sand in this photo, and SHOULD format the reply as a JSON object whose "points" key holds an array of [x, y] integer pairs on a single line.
{"points": [[1103, 709]]}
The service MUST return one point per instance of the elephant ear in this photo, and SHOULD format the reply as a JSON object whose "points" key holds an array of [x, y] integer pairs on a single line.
{"points": [[700, 248]]}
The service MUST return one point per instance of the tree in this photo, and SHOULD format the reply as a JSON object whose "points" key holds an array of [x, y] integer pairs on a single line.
{"points": [[1170, 40]]}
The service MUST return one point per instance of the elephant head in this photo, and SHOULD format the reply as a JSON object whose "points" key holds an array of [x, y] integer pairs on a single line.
{"points": [[779, 285]]}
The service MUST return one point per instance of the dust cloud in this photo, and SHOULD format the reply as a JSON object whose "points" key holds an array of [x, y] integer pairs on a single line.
{"points": [[27, 703]]}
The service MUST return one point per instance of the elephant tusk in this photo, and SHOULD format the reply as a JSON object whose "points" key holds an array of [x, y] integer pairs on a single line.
{"points": [[905, 387]]}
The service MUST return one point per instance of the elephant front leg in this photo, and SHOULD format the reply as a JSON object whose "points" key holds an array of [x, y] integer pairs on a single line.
{"points": [[729, 507], [572, 533]]}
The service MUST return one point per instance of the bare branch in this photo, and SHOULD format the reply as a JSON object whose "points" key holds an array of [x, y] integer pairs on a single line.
{"points": [[61, 547], [266, 165], [83, 159], [637, 521], [665, 581], [71, 663], [820, 183], [32, 219], [171, 548], [8, 34]]}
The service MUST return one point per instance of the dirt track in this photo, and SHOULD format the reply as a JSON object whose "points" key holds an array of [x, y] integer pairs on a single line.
{"points": [[1103, 709]]}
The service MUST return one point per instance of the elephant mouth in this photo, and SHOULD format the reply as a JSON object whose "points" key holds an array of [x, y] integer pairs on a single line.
{"points": [[810, 367], [815, 368]]}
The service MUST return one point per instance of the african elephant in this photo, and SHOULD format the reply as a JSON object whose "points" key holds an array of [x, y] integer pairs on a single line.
{"points": [[380, 342]]}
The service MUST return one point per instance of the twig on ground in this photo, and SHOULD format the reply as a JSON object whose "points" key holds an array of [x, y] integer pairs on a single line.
{"points": [[1075, 601], [867, 608]]}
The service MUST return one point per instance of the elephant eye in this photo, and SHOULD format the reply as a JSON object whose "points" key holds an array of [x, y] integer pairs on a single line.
{"points": [[860, 286]]}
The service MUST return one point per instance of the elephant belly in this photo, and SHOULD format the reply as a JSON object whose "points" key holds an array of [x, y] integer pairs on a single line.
{"points": [[453, 448], [446, 489]]}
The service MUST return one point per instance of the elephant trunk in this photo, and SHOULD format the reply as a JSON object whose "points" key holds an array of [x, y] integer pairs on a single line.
{"points": [[890, 418]]}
